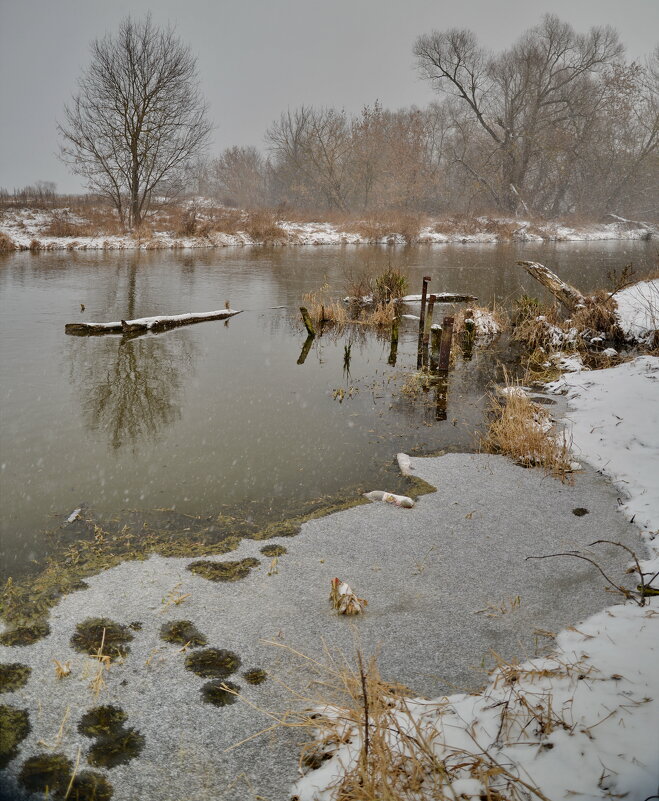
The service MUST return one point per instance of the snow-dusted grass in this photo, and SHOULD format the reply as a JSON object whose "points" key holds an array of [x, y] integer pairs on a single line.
{"points": [[579, 724], [31, 229]]}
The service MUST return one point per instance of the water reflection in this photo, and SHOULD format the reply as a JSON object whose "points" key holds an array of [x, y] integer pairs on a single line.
{"points": [[130, 388]]}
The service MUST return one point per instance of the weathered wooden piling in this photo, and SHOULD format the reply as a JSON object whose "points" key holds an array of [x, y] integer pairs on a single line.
{"points": [[441, 396], [422, 321], [435, 339], [307, 321], [445, 344]]}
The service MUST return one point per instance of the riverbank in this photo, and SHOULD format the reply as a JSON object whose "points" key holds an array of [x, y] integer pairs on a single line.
{"points": [[447, 583], [64, 229]]}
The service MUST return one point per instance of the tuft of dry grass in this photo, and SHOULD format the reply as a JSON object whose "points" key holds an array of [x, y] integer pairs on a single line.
{"points": [[522, 430], [7, 244]]}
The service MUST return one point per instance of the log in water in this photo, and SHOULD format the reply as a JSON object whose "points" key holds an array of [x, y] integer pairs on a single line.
{"points": [[143, 324]]}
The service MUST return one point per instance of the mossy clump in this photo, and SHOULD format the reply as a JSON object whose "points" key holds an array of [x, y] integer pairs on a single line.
{"points": [[580, 511], [255, 676], [102, 721], [49, 773], [13, 677], [218, 692], [273, 550], [95, 632], [25, 635], [117, 748], [213, 663], [183, 632], [14, 728], [136, 625], [90, 786], [224, 571]]}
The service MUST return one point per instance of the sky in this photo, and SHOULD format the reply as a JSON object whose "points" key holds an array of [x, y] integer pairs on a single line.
{"points": [[256, 58]]}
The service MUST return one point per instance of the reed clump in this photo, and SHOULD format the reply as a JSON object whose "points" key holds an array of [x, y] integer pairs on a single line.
{"points": [[523, 430]]}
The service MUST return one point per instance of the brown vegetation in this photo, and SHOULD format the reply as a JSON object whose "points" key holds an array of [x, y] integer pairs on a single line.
{"points": [[522, 430]]}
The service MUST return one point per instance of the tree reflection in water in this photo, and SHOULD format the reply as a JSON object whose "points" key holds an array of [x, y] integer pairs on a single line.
{"points": [[131, 387]]}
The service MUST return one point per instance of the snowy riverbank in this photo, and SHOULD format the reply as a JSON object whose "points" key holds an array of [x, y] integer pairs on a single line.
{"points": [[27, 229]]}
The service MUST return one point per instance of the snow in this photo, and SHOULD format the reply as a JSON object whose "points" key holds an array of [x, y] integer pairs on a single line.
{"points": [[638, 310], [598, 698], [582, 722], [25, 225], [614, 424]]}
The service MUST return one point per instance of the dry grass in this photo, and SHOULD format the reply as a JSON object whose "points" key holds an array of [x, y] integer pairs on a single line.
{"points": [[384, 225], [391, 752], [326, 311], [7, 244], [522, 430], [468, 225]]}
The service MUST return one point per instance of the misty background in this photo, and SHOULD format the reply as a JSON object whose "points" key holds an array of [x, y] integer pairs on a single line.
{"points": [[257, 59]]}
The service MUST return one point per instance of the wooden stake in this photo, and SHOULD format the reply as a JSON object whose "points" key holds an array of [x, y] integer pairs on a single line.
{"points": [[422, 320], [307, 321]]}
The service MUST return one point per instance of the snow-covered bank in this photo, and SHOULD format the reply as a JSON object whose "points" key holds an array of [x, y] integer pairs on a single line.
{"points": [[31, 230], [581, 723], [614, 424]]}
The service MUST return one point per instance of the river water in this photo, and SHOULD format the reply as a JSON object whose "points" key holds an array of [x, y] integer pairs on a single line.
{"points": [[221, 416]]}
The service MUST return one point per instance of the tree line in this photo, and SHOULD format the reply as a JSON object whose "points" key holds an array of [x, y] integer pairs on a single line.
{"points": [[559, 123]]}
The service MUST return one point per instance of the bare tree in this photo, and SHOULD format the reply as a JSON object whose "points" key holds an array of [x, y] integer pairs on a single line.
{"points": [[138, 117], [520, 97], [239, 177]]}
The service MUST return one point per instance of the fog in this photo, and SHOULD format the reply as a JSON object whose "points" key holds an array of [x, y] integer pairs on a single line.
{"points": [[258, 58]]}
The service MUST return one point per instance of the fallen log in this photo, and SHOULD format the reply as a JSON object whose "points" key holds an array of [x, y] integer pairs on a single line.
{"points": [[570, 297], [441, 297], [144, 324]]}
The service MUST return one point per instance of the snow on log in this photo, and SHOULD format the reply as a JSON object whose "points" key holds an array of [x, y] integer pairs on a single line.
{"points": [[637, 310], [143, 324], [570, 297]]}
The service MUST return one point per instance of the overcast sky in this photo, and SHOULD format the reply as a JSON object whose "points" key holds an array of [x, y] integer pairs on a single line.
{"points": [[258, 57]]}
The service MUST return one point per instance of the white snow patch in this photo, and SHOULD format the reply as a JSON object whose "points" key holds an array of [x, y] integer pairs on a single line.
{"points": [[638, 310], [614, 415]]}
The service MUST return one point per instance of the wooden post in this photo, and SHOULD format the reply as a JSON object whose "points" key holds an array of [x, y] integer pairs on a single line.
{"points": [[308, 342], [445, 345], [393, 350], [422, 320], [435, 337], [469, 334], [426, 330], [307, 322]]}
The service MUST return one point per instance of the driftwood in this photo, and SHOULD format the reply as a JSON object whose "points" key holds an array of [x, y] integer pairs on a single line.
{"points": [[144, 324], [570, 297]]}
